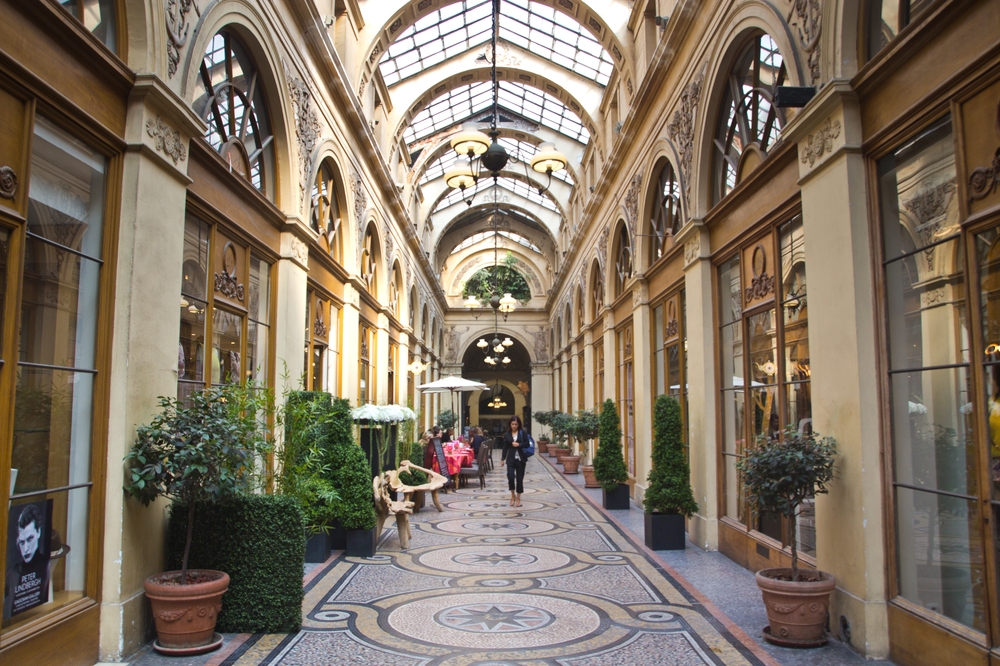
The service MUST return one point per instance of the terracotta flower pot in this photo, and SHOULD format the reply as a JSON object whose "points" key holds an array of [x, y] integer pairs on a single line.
{"points": [[543, 445], [553, 452], [796, 610], [185, 614], [589, 477], [571, 464], [562, 453]]}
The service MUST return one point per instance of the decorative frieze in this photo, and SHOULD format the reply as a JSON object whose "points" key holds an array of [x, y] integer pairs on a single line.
{"points": [[632, 202], [178, 29], [681, 131], [820, 142], [168, 140], [8, 183], [692, 249], [807, 16], [307, 130]]}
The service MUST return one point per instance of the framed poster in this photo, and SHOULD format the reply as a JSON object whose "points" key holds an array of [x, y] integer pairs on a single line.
{"points": [[29, 532]]}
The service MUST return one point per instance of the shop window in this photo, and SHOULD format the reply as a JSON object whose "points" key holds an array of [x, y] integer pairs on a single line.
{"points": [[4, 251], [626, 393], [318, 334], [669, 352], [765, 371], [51, 449], [366, 352], [599, 382], [666, 215], [935, 488], [749, 123], [393, 355], [232, 104], [326, 211], [887, 17], [258, 324], [97, 16]]}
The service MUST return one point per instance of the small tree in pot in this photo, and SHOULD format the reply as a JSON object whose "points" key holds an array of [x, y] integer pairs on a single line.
{"points": [[561, 425], [200, 452], [609, 463], [544, 418], [585, 427], [352, 479], [779, 475], [668, 498]]}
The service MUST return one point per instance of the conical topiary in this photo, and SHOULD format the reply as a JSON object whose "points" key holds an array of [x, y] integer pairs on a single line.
{"points": [[669, 488], [351, 472], [609, 463]]}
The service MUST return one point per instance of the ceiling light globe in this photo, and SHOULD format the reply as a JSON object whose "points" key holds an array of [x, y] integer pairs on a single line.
{"points": [[470, 140], [482, 344], [507, 303], [495, 159], [507, 342], [506, 360], [548, 159], [460, 175], [471, 302]]}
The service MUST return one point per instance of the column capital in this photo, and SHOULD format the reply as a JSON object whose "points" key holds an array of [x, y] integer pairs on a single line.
{"points": [[826, 127], [694, 237], [294, 249]]}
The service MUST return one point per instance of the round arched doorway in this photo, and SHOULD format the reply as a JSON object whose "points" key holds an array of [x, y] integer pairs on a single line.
{"points": [[510, 382]]}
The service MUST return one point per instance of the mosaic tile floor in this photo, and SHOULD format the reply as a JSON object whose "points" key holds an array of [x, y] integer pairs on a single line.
{"points": [[485, 584]]}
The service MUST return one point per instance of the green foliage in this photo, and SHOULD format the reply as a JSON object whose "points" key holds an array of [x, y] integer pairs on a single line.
{"points": [[416, 477], [544, 418], [560, 424], [302, 471], [779, 475], [259, 541], [447, 419], [349, 468], [585, 427], [609, 463], [500, 279], [201, 452], [669, 488]]}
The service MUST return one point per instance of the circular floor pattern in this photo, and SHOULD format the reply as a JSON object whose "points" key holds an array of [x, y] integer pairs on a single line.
{"points": [[486, 621], [491, 505], [486, 558], [494, 526]]}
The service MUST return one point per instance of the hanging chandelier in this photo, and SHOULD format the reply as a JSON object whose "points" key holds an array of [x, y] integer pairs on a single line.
{"points": [[495, 350]]}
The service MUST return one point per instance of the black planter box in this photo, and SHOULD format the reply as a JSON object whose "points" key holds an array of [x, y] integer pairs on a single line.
{"points": [[317, 547], [616, 499], [338, 536], [361, 543], [665, 531]]}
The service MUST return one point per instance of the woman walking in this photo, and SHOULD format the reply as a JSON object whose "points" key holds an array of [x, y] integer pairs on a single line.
{"points": [[517, 448]]}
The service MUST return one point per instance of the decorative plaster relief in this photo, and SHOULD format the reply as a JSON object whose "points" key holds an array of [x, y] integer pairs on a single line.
{"points": [[932, 297], [681, 130], [809, 21], [168, 140], [816, 145], [319, 327], [983, 181], [632, 202], [692, 249], [636, 297], [226, 282], [453, 342], [929, 208], [541, 344], [602, 246], [8, 182], [307, 129], [178, 28]]}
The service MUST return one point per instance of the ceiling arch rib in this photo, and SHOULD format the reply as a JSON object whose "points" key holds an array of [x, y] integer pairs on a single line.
{"points": [[462, 26], [481, 236], [479, 219], [511, 182], [520, 152]]}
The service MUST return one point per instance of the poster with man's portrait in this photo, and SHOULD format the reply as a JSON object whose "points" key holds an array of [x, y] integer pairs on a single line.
{"points": [[29, 531]]}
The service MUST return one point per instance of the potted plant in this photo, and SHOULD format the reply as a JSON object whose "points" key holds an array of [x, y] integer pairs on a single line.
{"points": [[669, 498], [544, 418], [203, 451], [560, 424], [779, 475], [586, 425], [447, 419], [352, 478], [570, 460], [609, 462]]}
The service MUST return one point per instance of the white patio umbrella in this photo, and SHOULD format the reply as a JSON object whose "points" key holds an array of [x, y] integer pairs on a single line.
{"points": [[452, 384]]}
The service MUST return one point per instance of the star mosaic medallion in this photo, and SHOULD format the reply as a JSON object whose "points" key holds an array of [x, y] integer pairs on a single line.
{"points": [[494, 618], [494, 559]]}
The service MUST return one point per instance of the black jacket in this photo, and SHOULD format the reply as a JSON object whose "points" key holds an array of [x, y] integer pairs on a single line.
{"points": [[507, 453]]}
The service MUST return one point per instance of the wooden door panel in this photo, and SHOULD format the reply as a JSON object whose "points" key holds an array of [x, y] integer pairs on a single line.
{"points": [[14, 134]]}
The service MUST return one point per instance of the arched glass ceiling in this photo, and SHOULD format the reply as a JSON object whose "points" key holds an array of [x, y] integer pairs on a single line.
{"points": [[486, 185], [460, 26], [483, 235], [462, 103], [520, 150]]}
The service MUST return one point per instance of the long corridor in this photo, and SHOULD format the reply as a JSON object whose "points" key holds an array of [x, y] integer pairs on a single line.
{"points": [[552, 582]]}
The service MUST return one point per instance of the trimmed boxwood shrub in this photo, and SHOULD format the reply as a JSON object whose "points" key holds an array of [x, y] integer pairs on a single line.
{"points": [[609, 463], [669, 489], [259, 540], [351, 473]]}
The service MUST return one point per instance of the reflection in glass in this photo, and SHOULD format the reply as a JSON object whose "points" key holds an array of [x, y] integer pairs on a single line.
{"points": [[258, 332], [97, 16], [940, 563], [887, 17], [658, 366], [227, 334]]}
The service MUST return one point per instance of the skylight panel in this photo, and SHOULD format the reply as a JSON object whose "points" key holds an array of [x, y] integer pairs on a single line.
{"points": [[484, 235], [461, 26], [521, 151], [518, 187]]}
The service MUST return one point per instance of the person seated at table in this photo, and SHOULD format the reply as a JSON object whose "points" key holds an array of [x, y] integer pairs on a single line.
{"points": [[446, 436], [476, 436]]}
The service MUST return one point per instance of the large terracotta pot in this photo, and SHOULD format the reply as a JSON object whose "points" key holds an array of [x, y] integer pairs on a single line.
{"points": [[543, 445], [571, 464], [553, 452], [796, 610], [589, 477], [185, 614], [562, 453]]}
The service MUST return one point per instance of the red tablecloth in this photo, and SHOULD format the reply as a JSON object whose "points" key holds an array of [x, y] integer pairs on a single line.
{"points": [[454, 462]]}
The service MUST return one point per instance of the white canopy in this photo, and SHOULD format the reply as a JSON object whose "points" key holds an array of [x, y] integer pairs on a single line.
{"points": [[452, 384]]}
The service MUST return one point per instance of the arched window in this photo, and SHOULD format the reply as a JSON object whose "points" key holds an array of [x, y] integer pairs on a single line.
{"points": [[413, 307], [232, 103], [326, 209], [369, 264], [394, 287], [749, 123], [666, 214], [597, 293], [623, 261]]}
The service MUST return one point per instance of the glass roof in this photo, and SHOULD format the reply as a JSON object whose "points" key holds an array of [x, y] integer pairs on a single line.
{"points": [[510, 184], [483, 235], [458, 27], [520, 150], [462, 103]]}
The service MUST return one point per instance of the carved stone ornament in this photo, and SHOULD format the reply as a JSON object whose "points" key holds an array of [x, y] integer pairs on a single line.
{"points": [[932, 296], [178, 29], [226, 282], [692, 249], [672, 328], [168, 141], [983, 181], [319, 326], [762, 284], [8, 183], [636, 297], [808, 18], [632, 202], [821, 142], [307, 129], [929, 208], [505, 56], [681, 130], [602, 246], [541, 344], [374, 56], [300, 251], [361, 88], [390, 246], [396, 25]]}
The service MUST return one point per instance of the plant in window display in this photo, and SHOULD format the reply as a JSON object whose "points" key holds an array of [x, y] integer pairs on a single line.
{"points": [[780, 476], [203, 450]]}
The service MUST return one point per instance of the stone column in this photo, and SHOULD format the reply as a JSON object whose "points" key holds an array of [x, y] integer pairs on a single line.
{"points": [[146, 329], [351, 342], [643, 380], [842, 330], [541, 389], [289, 325], [381, 360], [703, 527]]}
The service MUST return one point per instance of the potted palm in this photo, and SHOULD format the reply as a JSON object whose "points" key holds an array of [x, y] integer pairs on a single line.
{"points": [[779, 475], [586, 425], [669, 498], [609, 462], [202, 451]]}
